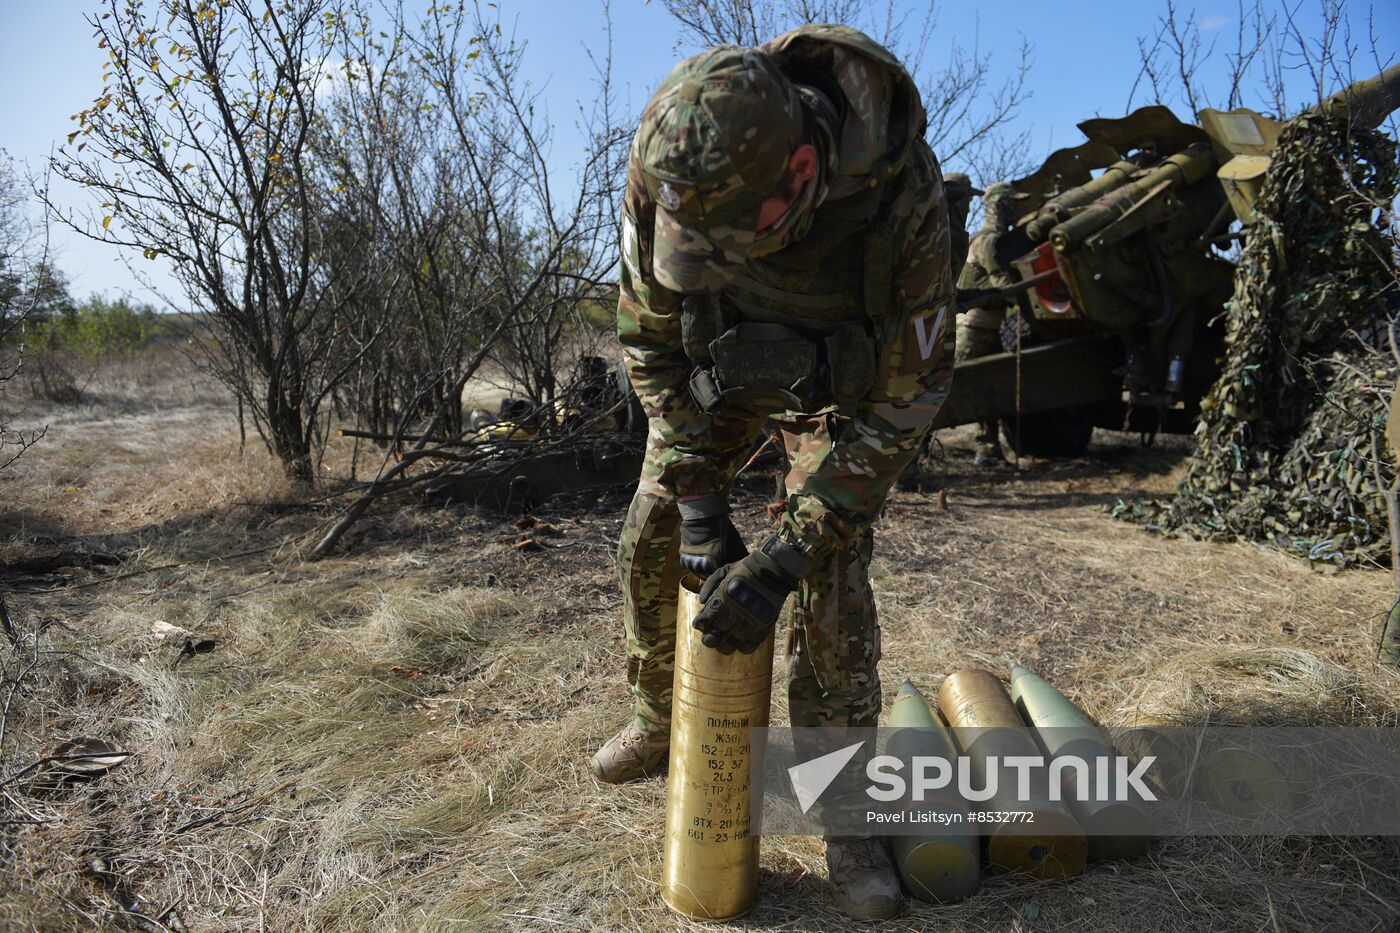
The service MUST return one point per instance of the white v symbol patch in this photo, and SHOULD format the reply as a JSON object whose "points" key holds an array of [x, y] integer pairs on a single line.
{"points": [[928, 336]]}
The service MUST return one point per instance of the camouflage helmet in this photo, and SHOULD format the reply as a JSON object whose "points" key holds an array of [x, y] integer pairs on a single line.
{"points": [[1001, 191], [958, 188], [713, 144]]}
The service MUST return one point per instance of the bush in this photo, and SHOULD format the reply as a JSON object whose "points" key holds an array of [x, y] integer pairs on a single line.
{"points": [[98, 326], [64, 342]]}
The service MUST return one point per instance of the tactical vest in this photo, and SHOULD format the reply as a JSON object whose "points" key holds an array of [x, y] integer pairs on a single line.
{"points": [[975, 275], [795, 330]]}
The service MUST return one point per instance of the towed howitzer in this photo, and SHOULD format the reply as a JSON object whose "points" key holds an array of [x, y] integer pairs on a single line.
{"points": [[1121, 275]]}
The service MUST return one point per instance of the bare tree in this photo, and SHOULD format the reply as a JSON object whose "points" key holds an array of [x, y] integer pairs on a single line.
{"points": [[1176, 59], [548, 244], [496, 250], [450, 162], [198, 149], [21, 253], [972, 99]]}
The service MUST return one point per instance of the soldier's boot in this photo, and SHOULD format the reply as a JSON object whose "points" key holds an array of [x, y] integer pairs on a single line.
{"points": [[863, 880], [911, 480], [989, 455], [988, 447], [629, 755]]}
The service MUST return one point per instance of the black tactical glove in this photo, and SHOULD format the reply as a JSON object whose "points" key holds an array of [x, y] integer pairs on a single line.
{"points": [[709, 539], [742, 600]]}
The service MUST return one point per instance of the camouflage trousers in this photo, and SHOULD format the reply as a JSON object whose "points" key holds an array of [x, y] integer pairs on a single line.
{"points": [[834, 640], [979, 335]]}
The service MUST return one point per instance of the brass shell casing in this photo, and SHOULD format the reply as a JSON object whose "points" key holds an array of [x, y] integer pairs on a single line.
{"points": [[710, 859], [1115, 829], [985, 723], [1235, 780], [939, 867]]}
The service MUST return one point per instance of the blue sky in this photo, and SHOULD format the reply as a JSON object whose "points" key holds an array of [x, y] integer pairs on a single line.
{"points": [[1084, 62]]}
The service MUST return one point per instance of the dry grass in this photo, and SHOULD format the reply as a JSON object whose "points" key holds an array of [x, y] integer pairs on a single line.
{"points": [[1261, 687], [397, 738]]}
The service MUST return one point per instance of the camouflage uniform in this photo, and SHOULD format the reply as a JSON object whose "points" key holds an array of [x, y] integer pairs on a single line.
{"points": [[960, 192], [979, 330], [878, 184]]}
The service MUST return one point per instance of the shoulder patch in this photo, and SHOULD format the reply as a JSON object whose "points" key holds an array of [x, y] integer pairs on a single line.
{"points": [[923, 338], [631, 254]]}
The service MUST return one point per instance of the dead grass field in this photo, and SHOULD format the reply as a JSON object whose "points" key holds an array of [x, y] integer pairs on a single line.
{"points": [[396, 738]]}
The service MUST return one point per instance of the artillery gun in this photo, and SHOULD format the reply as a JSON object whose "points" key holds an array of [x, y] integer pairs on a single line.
{"points": [[1123, 266]]}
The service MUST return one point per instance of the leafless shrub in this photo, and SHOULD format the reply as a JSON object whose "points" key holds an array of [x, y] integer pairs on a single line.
{"points": [[21, 252], [546, 245], [489, 254], [440, 145], [1267, 45]]}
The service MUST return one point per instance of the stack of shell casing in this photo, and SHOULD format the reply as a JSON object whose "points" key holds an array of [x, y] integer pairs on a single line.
{"points": [[710, 859], [1116, 829], [1235, 780], [937, 867], [1049, 844]]}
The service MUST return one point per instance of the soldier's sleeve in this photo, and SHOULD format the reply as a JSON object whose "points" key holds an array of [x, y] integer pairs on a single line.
{"points": [[840, 489], [649, 329], [958, 244], [998, 276]]}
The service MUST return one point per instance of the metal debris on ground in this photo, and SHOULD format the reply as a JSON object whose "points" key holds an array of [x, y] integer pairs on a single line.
{"points": [[1291, 445]]}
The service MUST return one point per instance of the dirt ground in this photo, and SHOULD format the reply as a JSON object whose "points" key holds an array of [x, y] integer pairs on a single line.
{"points": [[396, 738]]}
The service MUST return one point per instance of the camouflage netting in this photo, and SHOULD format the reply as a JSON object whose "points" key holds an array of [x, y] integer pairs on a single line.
{"points": [[1291, 444]]}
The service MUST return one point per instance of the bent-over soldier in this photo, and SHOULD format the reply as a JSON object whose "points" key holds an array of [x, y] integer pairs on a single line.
{"points": [[785, 250]]}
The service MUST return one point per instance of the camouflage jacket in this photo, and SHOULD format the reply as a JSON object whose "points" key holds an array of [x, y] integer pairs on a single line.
{"points": [[983, 269], [841, 490], [958, 245]]}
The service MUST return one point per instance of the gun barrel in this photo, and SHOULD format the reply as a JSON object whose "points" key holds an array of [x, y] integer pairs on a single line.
{"points": [[1061, 207], [1366, 103], [1184, 168]]}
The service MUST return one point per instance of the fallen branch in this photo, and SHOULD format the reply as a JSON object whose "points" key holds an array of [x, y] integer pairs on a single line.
{"points": [[51, 563], [170, 566], [389, 438], [513, 449], [12, 675], [359, 506]]}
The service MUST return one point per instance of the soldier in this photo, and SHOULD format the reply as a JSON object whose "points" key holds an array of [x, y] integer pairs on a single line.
{"points": [[785, 255], [979, 330], [958, 192]]}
